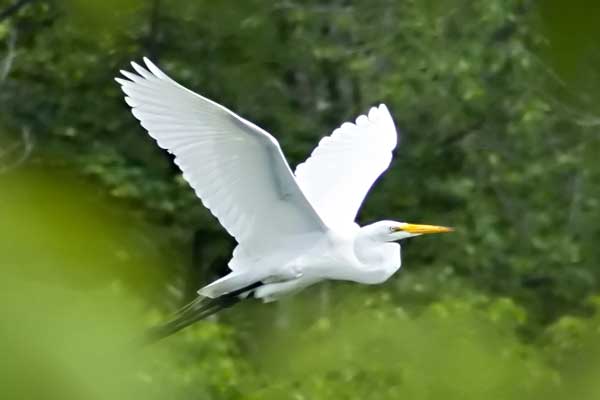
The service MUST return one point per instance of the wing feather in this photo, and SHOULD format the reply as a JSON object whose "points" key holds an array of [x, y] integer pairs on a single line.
{"points": [[237, 169], [344, 166]]}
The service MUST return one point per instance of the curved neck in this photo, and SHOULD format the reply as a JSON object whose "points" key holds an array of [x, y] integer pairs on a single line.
{"points": [[380, 259], [369, 245]]}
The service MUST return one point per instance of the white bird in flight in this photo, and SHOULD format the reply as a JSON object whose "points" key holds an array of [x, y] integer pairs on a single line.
{"points": [[293, 229]]}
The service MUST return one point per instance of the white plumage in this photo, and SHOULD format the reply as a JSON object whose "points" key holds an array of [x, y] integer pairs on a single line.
{"points": [[292, 229], [342, 169]]}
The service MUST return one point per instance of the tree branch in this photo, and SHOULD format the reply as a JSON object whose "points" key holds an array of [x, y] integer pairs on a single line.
{"points": [[13, 8], [27, 145], [10, 56]]}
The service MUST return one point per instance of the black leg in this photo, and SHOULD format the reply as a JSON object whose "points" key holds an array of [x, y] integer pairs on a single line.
{"points": [[198, 309]]}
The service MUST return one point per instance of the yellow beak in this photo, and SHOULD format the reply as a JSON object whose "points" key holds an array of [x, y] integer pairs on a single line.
{"points": [[423, 229]]}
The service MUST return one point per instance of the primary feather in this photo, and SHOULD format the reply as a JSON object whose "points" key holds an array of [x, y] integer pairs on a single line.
{"points": [[342, 169], [236, 168]]}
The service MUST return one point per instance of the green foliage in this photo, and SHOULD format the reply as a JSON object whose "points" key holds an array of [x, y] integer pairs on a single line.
{"points": [[450, 350], [497, 106]]}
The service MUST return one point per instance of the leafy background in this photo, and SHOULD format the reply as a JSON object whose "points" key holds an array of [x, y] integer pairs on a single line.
{"points": [[497, 105]]}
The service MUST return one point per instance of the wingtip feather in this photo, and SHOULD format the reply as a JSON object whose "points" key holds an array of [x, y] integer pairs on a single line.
{"points": [[154, 69], [385, 112], [141, 70], [129, 75]]}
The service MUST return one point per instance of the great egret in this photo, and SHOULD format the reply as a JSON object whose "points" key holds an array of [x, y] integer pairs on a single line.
{"points": [[293, 228]]}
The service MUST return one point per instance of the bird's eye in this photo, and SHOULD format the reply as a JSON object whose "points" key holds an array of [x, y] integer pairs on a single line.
{"points": [[391, 229]]}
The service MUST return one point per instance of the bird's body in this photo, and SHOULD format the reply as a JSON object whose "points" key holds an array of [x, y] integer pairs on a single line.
{"points": [[351, 255], [293, 228]]}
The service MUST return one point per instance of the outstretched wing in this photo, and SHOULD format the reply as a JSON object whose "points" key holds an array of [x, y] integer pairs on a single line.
{"points": [[236, 168], [342, 169]]}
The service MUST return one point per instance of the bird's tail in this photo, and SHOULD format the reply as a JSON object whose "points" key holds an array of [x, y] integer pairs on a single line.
{"points": [[198, 309]]}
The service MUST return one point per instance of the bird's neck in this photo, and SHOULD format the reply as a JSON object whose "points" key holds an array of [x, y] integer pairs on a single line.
{"points": [[369, 246], [377, 255]]}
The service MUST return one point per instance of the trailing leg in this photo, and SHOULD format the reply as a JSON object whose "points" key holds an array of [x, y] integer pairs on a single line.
{"points": [[198, 309]]}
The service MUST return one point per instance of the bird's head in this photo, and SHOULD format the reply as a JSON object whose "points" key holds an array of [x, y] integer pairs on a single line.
{"points": [[391, 231]]}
